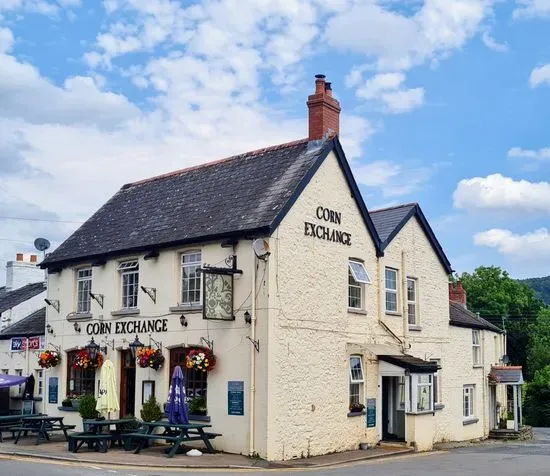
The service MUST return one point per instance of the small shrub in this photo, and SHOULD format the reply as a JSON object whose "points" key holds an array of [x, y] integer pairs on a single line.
{"points": [[86, 407], [151, 410], [197, 406]]}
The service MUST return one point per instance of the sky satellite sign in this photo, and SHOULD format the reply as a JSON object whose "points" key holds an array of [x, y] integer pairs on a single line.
{"points": [[20, 344]]}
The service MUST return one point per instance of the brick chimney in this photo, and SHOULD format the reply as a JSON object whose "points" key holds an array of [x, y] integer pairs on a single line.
{"points": [[324, 110], [457, 293]]}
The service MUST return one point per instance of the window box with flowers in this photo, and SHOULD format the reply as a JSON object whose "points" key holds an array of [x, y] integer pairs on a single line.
{"points": [[148, 358], [48, 359]]}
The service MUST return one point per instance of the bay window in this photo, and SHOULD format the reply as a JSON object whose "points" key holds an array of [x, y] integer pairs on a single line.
{"points": [[421, 393]]}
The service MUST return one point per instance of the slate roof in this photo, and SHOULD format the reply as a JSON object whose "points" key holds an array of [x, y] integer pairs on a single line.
{"points": [[411, 363], [32, 325], [17, 296], [461, 317], [389, 221], [244, 195], [512, 374]]}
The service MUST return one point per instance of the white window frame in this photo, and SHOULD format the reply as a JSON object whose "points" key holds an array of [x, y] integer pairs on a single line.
{"points": [[356, 383], [468, 410], [83, 306], [128, 269], [19, 372], [40, 382], [185, 299], [391, 291], [416, 384], [437, 392], [413, 302], [5, 371], [476, 347]]}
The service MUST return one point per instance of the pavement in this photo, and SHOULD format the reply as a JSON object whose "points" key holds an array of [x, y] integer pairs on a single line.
{"points": [[508, 458]]}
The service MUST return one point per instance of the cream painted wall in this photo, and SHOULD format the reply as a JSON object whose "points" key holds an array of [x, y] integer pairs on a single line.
{"points": [[231, 347], [312, 331]]}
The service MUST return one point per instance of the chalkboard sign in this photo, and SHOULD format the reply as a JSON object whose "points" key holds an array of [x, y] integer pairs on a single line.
{"points": [[235, 397], [371, 412], [53, 389]]}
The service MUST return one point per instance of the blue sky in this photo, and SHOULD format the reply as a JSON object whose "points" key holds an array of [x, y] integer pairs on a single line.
{"points": [[445, 102]]}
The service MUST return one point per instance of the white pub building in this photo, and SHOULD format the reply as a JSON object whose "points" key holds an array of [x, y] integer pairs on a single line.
{"points": [[330, 324]]}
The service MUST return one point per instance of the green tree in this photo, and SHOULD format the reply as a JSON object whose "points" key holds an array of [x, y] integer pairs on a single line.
{"points": [[537, 400], [539, 345], [497, 297]]}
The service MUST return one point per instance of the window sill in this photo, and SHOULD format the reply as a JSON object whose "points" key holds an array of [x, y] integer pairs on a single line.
{"points": [[470, 421], [392, 313], [478, 366], [356, 414], [414, 328], [79, 316], [439, 406], [126, 312], [352, 310], [424, 412], [205, 418], [189, 309], [67, 409]]}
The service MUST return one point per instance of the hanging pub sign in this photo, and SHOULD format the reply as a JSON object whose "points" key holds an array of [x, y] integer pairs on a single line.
{"points": [[217, 285]]}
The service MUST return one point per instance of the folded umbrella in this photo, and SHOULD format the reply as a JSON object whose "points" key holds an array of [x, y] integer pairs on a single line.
{"points": [[176, 408], [107, 400]]}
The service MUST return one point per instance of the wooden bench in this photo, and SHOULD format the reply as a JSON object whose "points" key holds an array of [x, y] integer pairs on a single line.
{"points": [[143, 438], [100, 441]]}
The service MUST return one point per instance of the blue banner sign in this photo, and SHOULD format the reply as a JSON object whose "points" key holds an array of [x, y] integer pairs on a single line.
{"points": [[235, 397]]}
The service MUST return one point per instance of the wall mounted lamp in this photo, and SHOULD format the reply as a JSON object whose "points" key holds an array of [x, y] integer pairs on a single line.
{"points": [[183, 321], [49, 328], [134, 346], [52, 302], [247, 318], [76, 326]]}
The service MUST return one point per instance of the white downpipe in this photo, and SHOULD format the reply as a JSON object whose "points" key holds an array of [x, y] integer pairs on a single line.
{"points": [[251, 450]]}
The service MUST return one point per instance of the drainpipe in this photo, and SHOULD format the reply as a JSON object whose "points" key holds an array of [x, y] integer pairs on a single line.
{"points": [[405, 307], [379, 290], [252, 356]]}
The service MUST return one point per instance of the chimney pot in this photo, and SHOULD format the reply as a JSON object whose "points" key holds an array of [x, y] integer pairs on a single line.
{"points": [[33, 258], [19, 257], [324, 110]]}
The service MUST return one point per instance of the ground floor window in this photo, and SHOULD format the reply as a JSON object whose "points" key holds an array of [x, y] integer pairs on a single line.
{"points": [[468, 399], [437, 382], [421, 392], [195, 380], [356, 380], [40, 382], [80, 381]]}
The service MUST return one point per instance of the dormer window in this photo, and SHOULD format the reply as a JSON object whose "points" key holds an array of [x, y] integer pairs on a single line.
{"points": [[129, 279]]}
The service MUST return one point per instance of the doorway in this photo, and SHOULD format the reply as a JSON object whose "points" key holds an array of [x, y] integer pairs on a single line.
{"points": [[393, 408], [127, 383]]}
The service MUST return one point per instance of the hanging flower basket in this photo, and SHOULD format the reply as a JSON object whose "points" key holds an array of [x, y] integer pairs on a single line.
{"points": [[146, 357], [493, 379], [202, 360], [49, 358], [84, 361]]}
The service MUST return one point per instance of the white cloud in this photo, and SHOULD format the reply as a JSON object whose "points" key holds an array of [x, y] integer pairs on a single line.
{"points": [[393, 179], [533, 246], [496, 192], [519, 153], [532, 9], [387, 88], [492, 44], [540, 75], [399, 41]]}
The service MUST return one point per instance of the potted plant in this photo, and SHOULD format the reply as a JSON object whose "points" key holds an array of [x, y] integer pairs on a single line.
{"points": [[197, 406], [86, 408], [356, 407], [510, 421], [151, 410], [67, 402]]}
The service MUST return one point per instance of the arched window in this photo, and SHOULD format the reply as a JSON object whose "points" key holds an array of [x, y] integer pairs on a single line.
{"points": [[79, 381]]}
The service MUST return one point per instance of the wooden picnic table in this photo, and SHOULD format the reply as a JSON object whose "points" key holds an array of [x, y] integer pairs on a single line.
{"points": [[7, 422], [176, 434], [42, 425], [96, 437]]}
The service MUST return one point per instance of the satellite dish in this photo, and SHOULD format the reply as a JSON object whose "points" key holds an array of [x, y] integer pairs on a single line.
{"points": [[505, 359], [261, 248], [41, 244]]}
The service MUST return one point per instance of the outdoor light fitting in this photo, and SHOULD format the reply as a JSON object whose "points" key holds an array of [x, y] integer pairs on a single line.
{"points": [[183, 321], [247, 318], [49, 328], [151, 292], [52, 302], [76, 326], [92, 349], [134, 346]]}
